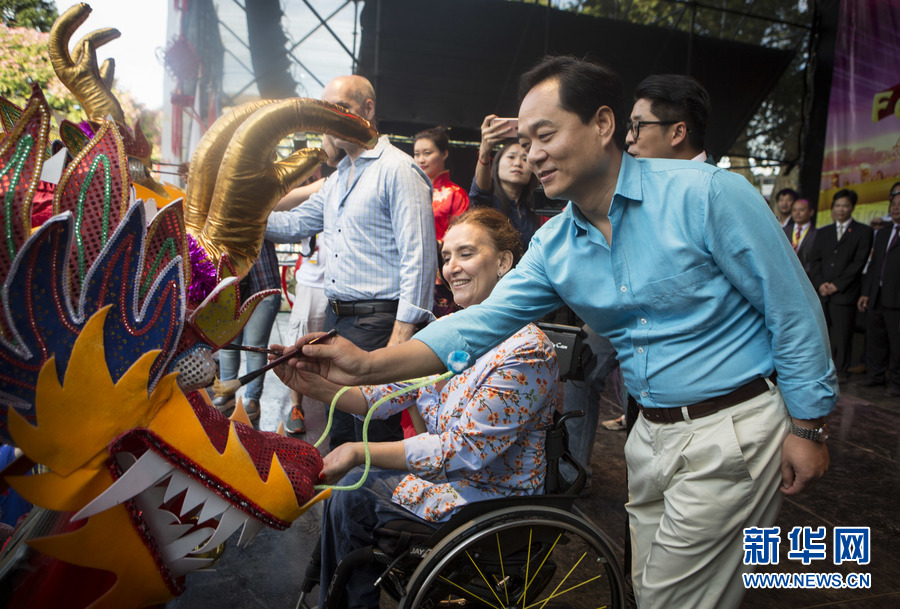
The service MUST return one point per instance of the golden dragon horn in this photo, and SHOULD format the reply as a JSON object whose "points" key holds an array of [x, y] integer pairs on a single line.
{"points": [[206, 160], [249, 183], [80, 74]]}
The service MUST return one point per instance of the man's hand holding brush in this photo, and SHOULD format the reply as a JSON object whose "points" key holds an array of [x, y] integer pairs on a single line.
{"points": [[342, 362]]}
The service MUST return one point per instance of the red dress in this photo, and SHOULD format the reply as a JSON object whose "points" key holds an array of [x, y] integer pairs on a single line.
{"points": [[449, 201]]}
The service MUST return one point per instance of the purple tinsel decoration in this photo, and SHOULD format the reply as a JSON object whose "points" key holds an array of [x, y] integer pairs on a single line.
{"points": [[86, 129], [203, 272]]}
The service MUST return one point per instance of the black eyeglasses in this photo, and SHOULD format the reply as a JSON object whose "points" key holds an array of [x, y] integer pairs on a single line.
{"points": [[635, 126]]}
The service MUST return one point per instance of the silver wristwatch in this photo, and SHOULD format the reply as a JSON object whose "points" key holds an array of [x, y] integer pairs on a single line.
{"points": [[816, 435]]}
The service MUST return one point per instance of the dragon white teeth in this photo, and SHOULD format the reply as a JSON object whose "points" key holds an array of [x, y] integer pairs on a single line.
{"points": [[164, 524], [147, 471], [230, 522], [178, 483], [151, 498], [172, 532], [186, 565], [248, 534], [213, 506], [153, 483], [180, 547], [195, 495]]}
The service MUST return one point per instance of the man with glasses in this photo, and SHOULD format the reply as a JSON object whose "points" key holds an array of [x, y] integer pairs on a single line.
{"points": [[881, 298], [668, 120]]}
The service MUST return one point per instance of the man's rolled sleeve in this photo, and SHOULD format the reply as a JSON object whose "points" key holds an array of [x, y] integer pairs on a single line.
{"points": [[299, 223], [751, 250]]}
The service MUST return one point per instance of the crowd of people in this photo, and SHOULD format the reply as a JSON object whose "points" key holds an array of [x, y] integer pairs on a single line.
{"points": [[711, 326], [854, 269]]}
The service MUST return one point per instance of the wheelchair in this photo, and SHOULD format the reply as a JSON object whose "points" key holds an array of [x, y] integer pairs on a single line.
{"points": [[534, 552]]}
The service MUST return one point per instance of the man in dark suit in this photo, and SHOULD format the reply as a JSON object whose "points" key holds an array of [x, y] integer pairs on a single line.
{"points": [[802, 234], [784, 201], [838, 256], [881, 297]]}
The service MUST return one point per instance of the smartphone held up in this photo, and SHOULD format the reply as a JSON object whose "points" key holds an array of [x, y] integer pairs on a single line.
{"points": [[512, 126]]}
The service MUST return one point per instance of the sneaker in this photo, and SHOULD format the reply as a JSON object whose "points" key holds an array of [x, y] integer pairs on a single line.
{"points": [[224, 405], [615, 424], [297, 423], [253, 410]]}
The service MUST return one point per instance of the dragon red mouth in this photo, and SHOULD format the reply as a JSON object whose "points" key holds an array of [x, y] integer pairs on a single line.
{"points": [[185, 512]]}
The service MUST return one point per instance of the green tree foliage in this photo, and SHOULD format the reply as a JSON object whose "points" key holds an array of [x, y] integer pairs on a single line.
{"points": [[35, 14], [25, 60]]}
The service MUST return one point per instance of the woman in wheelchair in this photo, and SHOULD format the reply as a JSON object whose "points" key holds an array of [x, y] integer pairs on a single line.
{"points": [[485, 427]]}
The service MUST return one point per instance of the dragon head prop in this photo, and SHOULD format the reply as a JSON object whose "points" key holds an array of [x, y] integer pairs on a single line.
{"points": [[105, 346]]}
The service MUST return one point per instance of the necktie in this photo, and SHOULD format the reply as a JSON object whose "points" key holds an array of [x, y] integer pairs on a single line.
{"points": [[840, 231], [797, 238]]}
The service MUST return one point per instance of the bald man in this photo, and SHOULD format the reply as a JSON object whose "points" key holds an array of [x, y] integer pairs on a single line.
{"points": [[380, 259]]}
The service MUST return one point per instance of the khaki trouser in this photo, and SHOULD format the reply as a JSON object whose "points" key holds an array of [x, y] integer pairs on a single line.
{"points": [[693, 487]]}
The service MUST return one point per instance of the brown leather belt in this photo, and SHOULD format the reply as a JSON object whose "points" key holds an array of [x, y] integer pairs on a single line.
{"points": [[362, 307], [707, 407]]}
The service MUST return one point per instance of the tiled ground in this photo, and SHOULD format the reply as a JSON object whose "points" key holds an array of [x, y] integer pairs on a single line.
{"points": [[862, 488]]}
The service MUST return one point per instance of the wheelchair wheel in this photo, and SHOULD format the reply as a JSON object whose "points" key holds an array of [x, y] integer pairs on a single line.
{"points": [[524, 557]]}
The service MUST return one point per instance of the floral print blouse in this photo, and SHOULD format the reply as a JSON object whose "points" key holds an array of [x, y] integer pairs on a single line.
{"points": [[486, 428]]}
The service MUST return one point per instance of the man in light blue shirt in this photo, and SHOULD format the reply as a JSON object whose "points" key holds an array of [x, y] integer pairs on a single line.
{"points": [[377, 219], [683, 267]]}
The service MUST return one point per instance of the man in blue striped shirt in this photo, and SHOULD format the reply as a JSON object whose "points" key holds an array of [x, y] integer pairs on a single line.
{"points": [[684, 268], [379, 245]]}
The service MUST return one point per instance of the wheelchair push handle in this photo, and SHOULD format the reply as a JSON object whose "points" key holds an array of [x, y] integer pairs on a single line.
{"points": [[572, 414]]}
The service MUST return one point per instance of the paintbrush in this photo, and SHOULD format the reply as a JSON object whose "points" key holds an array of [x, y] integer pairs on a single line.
{"points": [[226, 389], [233, 347]]}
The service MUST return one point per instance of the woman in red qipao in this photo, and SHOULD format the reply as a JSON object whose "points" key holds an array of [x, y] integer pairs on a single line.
{"points": [[431, 148]]}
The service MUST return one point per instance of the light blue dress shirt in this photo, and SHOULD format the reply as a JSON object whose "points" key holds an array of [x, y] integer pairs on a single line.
{"points": [[378, 222], [700, 291]]}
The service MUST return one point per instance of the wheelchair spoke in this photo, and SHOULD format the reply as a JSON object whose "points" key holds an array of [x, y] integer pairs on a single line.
{"points": [[553, 594], [502, 571], [490, 587], [541, 566], [527, 564], [467, 592], [569, 589], [537, 572]]}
